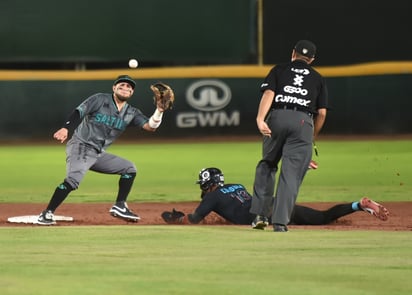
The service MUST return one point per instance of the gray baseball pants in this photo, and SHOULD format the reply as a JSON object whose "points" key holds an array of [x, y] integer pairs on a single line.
{"points": [[290, 143], [81, 157]]}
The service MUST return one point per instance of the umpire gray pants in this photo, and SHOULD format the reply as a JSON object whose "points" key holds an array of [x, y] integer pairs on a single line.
{"points": [[290, 143]]}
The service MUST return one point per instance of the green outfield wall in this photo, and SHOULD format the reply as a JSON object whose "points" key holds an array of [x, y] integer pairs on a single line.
{"points": [[365, 99]]}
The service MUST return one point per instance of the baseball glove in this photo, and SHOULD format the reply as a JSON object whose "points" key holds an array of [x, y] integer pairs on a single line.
{"points": [[173, 217], [164, 96]]}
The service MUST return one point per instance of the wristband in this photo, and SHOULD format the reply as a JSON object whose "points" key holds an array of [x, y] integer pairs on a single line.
{"points": [[156, 119]]}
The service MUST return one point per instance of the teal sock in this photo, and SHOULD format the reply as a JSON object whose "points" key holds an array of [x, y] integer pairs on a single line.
{"points": [[355, 206]]}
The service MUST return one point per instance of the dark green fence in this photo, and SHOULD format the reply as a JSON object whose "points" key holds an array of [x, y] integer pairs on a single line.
{"points": [[346, 32], [193, 32], [160, 31], [224, 106]]}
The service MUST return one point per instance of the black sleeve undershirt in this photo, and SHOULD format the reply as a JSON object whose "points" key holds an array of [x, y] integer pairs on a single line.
{"points": [[72, 121]]}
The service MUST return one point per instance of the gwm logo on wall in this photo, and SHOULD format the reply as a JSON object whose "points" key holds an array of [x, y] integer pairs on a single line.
{"points": [[208, 95], [209, 98]]}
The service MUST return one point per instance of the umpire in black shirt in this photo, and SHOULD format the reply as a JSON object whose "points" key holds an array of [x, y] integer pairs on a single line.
{"points": [[291, 113]]}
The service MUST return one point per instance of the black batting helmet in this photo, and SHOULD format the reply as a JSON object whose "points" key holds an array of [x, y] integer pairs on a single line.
{"points": [[210, 176]]}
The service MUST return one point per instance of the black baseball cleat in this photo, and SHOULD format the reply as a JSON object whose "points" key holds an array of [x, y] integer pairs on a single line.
{"points": [[260, 222], [122, 211], [46, 218], [280, 228]]}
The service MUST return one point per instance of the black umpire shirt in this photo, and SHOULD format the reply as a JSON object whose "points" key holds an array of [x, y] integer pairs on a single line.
{"points": [[297, 86]]}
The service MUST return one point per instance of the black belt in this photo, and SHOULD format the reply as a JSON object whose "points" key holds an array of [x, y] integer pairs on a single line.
{"points": [[293, 108]]}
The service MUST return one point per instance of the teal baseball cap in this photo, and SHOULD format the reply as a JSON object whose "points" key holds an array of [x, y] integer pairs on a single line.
{"points": [[125, 78]]}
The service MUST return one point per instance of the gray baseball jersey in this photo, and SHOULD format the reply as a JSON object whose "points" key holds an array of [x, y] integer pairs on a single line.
{"points": [[102, 123]]}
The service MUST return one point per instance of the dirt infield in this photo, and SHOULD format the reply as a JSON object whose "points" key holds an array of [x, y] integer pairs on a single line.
{"points": [[400, 218]]}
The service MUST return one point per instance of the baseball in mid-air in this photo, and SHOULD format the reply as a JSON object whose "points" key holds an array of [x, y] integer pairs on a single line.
{"points": [[133, 63]]}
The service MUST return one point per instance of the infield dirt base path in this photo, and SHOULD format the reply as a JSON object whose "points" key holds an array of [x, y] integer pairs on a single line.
{"points": [[400, 218]]}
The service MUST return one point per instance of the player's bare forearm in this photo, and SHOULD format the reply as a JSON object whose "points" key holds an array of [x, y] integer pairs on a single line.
{"points": [[148, 128], [264, 106], [318, 123]]}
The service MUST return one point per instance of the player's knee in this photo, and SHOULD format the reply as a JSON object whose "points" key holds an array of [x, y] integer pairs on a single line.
{"points": [[70, 184], [130, 170], [266, 164]]}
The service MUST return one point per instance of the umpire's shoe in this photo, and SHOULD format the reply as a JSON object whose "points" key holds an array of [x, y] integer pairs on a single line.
{"points": [[280, 228], [260, 222], [46, 218], [122, 211]]}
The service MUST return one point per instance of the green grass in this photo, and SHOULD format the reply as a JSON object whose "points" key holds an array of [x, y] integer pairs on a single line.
{"points": [[167, 172], [137, 259], [202, 260]]}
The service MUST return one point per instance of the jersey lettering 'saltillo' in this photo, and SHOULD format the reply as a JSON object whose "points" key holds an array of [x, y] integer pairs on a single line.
{"points": [[111, 121], [100, 109]]}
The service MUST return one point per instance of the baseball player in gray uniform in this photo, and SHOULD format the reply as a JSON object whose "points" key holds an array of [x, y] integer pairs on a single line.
{"points": [[291, 113], [94, 125]]}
